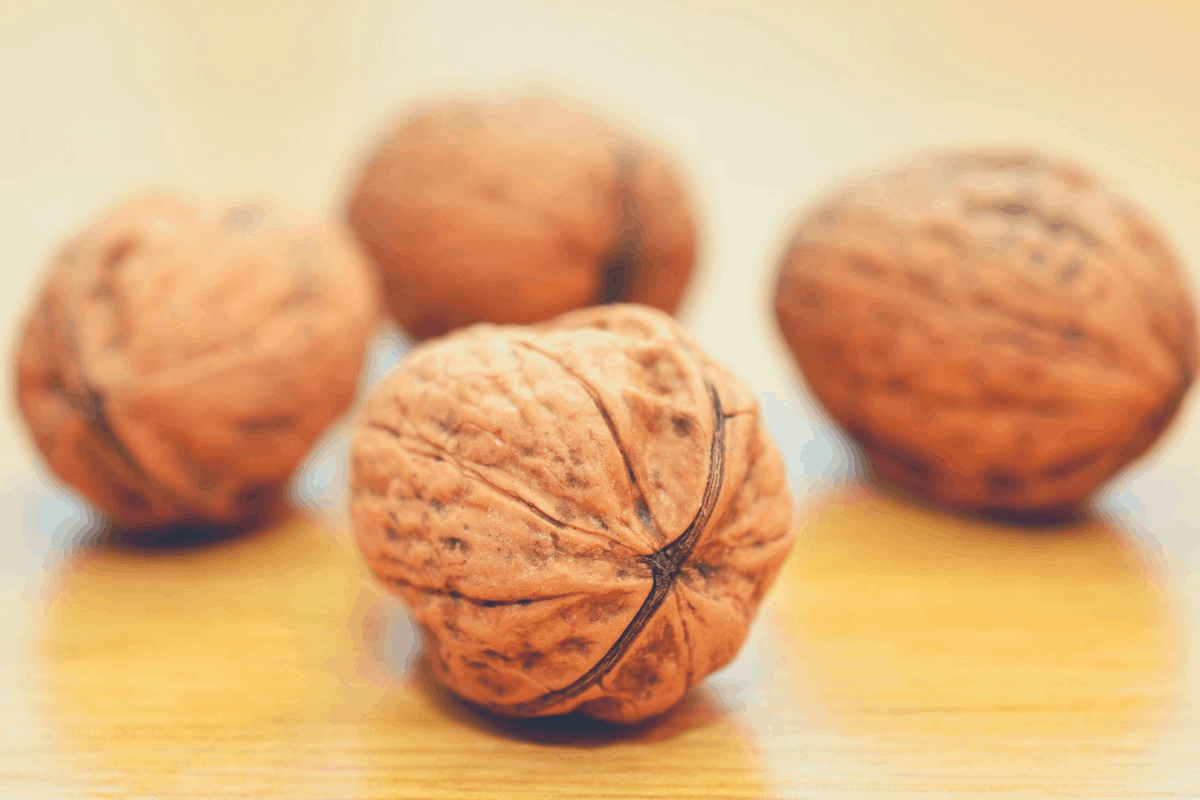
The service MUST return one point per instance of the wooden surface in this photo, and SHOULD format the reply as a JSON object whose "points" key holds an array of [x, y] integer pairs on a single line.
{"points": [[903, 653]]}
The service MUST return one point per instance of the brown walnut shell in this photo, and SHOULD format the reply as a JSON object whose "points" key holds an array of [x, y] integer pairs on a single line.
{"points": [[581, 514], [515, 212], [178, 366], [998, 330]]}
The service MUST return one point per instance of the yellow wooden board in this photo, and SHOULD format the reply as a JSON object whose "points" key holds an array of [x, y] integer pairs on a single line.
{"points": [[904, 652]]}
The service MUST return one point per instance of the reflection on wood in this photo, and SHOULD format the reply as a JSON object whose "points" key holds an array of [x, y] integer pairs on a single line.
{"points": [[962, 650], [903, 653], [272, 665]]}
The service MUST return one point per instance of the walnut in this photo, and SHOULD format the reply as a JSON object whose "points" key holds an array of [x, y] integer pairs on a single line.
{"points": [[1000, 332], [178, 365], [581, 514], [515, 212]]}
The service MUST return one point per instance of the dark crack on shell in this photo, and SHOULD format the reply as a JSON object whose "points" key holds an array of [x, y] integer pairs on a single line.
{"points": [[442, 454], [437, 453], [478, 601], [687, 639], [137, 489], [666, 564], [1056, 226], [646, 517], [616, 278], [622, 266], [88, 403]]}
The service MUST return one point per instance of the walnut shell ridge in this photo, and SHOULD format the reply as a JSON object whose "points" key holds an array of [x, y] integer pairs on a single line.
{"points": [[998, 330], [583, 514], [180, 360], [514, 212]]}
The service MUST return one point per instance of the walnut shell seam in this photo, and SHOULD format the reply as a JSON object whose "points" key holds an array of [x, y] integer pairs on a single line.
{"points": [[665, 564], [622, 266]]}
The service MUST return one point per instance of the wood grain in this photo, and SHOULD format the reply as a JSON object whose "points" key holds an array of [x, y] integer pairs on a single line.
{"points": [[905, 652]]}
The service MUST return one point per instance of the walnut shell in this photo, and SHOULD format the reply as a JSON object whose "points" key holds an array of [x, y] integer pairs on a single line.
{"points": [[581, 514], [515, 212], [999, 331], [177, 366]]}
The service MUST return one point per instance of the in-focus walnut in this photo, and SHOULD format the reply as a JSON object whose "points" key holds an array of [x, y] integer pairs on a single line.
{"points": [[999, 331], [179, 363], [515, 212], [581, 514]]}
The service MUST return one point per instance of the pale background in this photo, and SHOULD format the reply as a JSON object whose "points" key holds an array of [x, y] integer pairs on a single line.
{"points": [[766, 103]]}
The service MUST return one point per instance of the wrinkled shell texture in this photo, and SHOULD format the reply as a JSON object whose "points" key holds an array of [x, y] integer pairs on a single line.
{"points": [[179, 362], [997, 329], [515, 212], [583, 514]]}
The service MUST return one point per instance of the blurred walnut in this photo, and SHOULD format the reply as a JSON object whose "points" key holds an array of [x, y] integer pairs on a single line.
{"points": [[178, 366], [998, 330], [585, 513], [517, 212]]}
